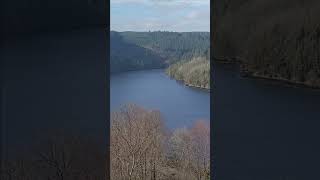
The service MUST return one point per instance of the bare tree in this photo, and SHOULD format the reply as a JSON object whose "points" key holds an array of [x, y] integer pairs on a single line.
{"points": [[189, 152], [180, 144], [136, 144], [200, 134]]}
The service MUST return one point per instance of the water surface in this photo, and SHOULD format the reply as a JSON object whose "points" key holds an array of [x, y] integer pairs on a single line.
{"points": [[264, 130], [153, 89]]}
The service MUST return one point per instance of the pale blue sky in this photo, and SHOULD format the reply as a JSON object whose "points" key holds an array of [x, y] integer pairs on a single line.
{"points": [[153, 15]]}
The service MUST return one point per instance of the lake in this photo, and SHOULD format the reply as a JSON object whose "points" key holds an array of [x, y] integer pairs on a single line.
{"points": [[152, 89], [264, 130]]}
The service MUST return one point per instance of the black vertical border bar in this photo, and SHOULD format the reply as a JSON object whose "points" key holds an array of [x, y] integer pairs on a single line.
{"points": [[2, 118], [107, 86], [3, 130], [213, 171]]}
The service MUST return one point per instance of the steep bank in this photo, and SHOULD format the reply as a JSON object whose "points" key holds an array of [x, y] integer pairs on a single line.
{"points": [[194, 73], [152, 50], [248, 71], [275, 39], [185, 53], [125, 56]]}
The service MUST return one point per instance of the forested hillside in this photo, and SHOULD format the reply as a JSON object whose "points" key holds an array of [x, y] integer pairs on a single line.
{"points": [[125, 56], [195, 72], [173, 46], [277, 39], [148, 50], [186, 54]]}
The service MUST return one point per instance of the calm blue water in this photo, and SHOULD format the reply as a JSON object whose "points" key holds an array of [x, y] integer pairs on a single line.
{"points": [[180, 105]]}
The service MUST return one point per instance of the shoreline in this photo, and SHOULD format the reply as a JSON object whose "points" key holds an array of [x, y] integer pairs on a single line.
{"points": [[134, 70], [178, 80], [282, 81], [245, 73], [195, 86], [187, 84]]}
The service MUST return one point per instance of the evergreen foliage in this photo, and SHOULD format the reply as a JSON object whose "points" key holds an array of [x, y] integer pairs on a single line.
{"points": [[157, 48], [173, 46], [126, 56], [185, 53], [277, 39]]}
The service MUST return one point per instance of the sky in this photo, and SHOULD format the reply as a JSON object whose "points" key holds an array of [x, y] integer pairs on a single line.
{"points": [[163, 15]]}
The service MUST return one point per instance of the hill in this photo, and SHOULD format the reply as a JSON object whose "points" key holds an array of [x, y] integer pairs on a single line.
{"points": [[125, 56], [148, 50], [186, 54], [194, 73], [173, 46], [275, 39]]}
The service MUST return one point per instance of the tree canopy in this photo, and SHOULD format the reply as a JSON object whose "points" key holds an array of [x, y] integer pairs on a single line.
{"points": [[276, 39], [147, 50]]}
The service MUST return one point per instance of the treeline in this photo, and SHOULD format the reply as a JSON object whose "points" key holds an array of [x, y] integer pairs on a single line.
{"points": [[173, 46], [194, 73], [276, 39], [125, 56], [147, 50], [141, 148]]}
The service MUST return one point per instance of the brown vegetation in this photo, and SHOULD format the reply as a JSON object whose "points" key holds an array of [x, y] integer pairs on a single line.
{"points": [[141, 148], [195, 72], [136, 141]]}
